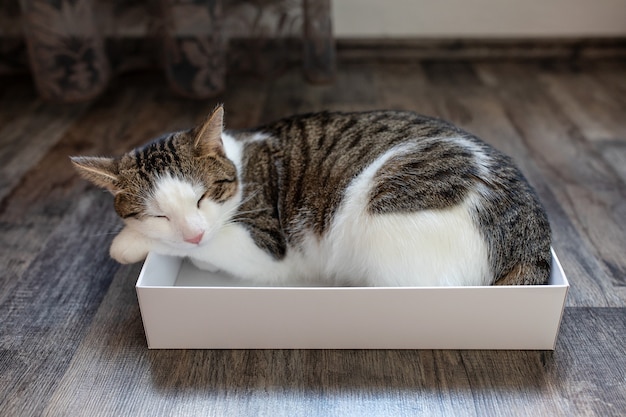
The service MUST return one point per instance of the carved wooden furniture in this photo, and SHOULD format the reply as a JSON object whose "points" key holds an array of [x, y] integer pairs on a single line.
{"points": [[69, 60]]}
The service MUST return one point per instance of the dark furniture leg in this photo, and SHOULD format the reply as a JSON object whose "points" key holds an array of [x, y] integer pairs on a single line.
{"points": [[319, 46], [194, 49], [65, 50]]}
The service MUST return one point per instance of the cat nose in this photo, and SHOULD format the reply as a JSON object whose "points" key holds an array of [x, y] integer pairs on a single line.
{"points": [[195, 239]]}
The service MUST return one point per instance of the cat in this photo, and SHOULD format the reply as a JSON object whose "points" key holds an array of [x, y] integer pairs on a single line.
{"points": [[379, 198]]}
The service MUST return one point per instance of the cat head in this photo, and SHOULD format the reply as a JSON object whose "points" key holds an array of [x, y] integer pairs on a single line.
{"points": [[177, 189]]}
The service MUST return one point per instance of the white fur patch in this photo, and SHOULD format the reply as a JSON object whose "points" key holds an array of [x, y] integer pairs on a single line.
{"points": [[426, 248], [481, 159], [233, 149]]}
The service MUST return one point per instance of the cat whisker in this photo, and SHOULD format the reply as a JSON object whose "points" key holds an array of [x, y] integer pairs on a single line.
{"points": [[253, 211], [105, 234], [100, 234], [249, 197], [227, 214], [236, 220]]}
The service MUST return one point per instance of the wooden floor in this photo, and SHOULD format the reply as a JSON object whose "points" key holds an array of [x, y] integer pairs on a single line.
{"points": [[71, 337]]}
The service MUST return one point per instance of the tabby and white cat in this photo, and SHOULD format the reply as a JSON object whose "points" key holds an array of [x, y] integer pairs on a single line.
{"points": [[382, 198]]}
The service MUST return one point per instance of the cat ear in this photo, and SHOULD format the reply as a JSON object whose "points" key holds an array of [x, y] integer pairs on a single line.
{"points": [[100, 171], [208, 136]]}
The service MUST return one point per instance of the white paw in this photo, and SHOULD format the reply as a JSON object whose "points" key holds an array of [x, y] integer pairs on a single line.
{"points": [[129, 247]]}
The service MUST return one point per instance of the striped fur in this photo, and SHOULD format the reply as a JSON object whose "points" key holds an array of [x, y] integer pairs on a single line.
{"points": [[375, 198]]}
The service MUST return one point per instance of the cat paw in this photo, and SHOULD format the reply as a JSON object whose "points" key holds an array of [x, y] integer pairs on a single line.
{"points": [[129, 247], [205, 266]]}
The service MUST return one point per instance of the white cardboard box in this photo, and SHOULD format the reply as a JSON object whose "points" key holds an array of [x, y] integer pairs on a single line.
{"points": [[185, 308]]}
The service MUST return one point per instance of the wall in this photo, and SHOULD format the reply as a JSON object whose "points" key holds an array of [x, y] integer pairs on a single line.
{"points": [[479, 18]]}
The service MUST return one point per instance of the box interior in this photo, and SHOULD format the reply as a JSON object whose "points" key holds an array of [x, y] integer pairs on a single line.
{"points": [[165, 271]]}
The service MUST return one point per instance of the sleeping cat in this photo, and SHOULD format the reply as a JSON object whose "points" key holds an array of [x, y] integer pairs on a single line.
{"points": [[381, 198]]}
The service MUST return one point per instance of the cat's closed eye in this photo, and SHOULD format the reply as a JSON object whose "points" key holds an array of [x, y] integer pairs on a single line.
{"points": [[135, 214], [200, 199]]}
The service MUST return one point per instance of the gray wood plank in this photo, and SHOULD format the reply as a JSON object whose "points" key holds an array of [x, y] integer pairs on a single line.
{"points": [[46, 313], [588, 101], [404, 87], [593, 98], [585, 185], [28, 128], [17, 95], [614, 152], [42, 126], [48, 191], [610, 73], [353, 90]]}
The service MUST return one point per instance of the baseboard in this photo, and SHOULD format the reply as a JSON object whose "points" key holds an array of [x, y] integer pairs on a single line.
{"points": [[271, 56], [444, 49]]}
